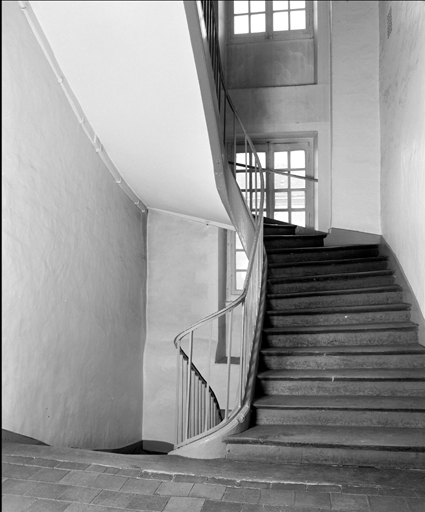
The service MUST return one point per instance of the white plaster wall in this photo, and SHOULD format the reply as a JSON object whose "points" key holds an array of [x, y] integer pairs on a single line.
{"points": [[183, 286], [74, 266], [355, 116], [402, 103]]}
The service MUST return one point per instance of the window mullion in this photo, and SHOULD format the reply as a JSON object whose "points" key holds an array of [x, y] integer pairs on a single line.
{"points": [[269, 20]]}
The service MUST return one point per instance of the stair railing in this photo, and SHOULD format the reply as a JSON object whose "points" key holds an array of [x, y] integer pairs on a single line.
{"points": [[199, 412]]}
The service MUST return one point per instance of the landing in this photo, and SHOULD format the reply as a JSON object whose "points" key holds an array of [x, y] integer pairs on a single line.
{"points": [[59, 479]]}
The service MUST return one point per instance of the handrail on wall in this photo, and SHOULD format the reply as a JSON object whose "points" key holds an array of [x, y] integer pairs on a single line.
{"points": [[198, 413]]}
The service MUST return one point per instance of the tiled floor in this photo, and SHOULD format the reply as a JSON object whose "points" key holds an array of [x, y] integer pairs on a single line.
{"points": [[46, 479]]}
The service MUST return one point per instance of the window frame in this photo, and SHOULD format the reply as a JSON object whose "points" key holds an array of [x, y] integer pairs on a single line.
{"points": [[269, 34]]}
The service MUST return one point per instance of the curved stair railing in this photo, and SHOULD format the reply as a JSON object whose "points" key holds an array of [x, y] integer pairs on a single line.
{"points": [[200, 413]]}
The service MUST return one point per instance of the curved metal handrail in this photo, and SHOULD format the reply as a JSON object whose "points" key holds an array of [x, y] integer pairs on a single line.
{"points": [[253, 256]]}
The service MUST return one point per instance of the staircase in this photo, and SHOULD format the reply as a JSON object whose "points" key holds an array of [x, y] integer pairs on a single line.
{"points": [[341, 377]]}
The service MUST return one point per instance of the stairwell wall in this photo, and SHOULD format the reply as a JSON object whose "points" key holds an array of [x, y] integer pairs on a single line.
{"points": [[74, 267], [402, 112]]}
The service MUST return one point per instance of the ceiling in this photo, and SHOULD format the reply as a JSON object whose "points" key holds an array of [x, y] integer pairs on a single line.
{"points": [[131, 66]]}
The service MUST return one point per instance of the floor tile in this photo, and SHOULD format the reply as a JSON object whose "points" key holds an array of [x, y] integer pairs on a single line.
{"points": [[277, 498], [46, 490], [140, 486], [15, 503], [174, 489], [388, 504], [324, 488], [16, 459], [190, 478], [18, 471], [80, 478], [147, 502], [251, 507], [45, 463], [110, 470], [16, 487], [222, 481], [211, 492], [416, 504], [128, 472], [221, 506], [79, 494], [112, 499], [72, 465], [47, 506], [96, 468], [159, 476], [288, 487], [82, 507], [49, 475], [181, 504], [313, 499], [252, 484], [241, 495], [109, 482], [354, 502]]}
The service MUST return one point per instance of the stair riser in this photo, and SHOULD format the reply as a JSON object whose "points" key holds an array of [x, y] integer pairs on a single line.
{"points": [[326, 269], [334, 362], [338, 319], [355, 299], [348, 387], [321, 255], [334, 456], [279, 243], [340, 338], [362, 418], [278, 230], [330, 284]]}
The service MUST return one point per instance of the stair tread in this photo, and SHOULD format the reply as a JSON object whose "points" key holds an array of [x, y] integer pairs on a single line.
{"points": [[398, 306], [346, 350], [345, 402], [308, 329], [318, 234], [330, 248], [357, 374], [328, 277], [377, 438], [344, 291], [327, 262]]}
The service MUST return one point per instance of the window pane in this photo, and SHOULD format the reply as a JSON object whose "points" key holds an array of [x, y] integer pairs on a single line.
{"points": [[240, 279], [280, 181], [281, 160], [298, 159], [281, 200], [240, 7], [298, 20], [240, 180], [258, 23], [283, 216], [240, 158], [298, 218], [298, 183], [238, 242], [280, 21], [241, 260], [241, 25], [258, 6], [262, 158], [297, 4], [280, 6], [298, 199]]}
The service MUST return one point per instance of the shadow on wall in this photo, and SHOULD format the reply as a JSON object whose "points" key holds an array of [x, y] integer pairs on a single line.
{"points": [[139, 448]]}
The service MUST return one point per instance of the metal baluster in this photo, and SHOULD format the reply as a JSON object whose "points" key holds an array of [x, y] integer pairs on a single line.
{"points": [[189, 381], [229, 358]]}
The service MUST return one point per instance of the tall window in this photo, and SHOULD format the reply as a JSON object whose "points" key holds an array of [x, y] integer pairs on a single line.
{"points": [[271, 19]]}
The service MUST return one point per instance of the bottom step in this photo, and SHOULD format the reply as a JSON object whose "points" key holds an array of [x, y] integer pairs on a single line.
{"points": [[352, 446]]}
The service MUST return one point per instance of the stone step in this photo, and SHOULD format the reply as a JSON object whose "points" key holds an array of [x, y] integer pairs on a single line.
{"points": [[363, 411], [354, 381], [279, 229], [317, 444], [354, 297], [286, 241], [379, 313], [326, 267], [322, 253], [315, 358], [330, 281], [331, 335]]}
